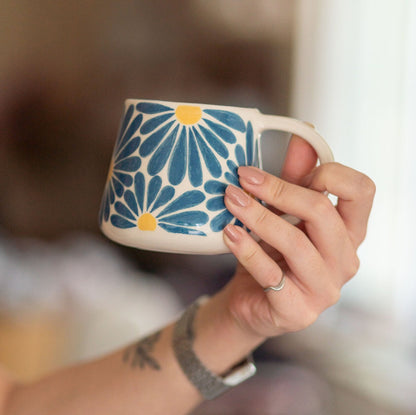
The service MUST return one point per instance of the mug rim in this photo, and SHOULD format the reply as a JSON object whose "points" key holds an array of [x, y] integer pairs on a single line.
{"points": [[200, 104]]}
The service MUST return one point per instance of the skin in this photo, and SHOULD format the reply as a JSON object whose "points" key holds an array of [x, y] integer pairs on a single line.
{"points": [[317, 256]]}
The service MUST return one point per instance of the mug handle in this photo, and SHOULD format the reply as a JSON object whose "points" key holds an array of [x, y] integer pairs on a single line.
{"points": [[303, 130]]}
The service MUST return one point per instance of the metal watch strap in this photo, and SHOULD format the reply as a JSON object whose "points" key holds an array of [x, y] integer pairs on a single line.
{"points": [[209, 384]]}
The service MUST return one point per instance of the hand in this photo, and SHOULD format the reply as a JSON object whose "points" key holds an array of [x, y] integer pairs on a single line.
{"points": [[318, 256]]}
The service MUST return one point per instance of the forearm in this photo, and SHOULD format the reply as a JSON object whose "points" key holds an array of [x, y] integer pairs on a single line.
{"points": [[143, 378]]}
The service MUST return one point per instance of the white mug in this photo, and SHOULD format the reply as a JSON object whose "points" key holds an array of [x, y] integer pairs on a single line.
{"points": [[170, 167]]}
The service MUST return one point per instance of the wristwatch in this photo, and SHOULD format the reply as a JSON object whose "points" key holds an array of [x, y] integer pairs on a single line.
{"points": [[209, 384]]}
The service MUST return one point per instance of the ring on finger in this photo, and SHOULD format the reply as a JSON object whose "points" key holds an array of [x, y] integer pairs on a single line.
{"points": [[277, 287]]}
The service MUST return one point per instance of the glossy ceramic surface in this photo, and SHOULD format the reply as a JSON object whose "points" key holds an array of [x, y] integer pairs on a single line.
{"points": [[170, 167]]}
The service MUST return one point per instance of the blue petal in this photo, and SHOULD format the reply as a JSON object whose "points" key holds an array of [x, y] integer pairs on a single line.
{"points": [[214, 187], [125, 122], [211, 161], [249, 144], [152, 108], [133, 128], [139, 184], [130, 148], [123, 211], [223, 132], [126, 179], [233, 167], [154, 122], [118, 187], [216, 203], [232, 178], [184, 201], [194, 162], [122, 223], [180, 229], [177, 164], [153, 189], [153, 141], [164, 197], [131, 201], [228, 118], [106, 209], [215, 142], [238, 223], [188, 218], [161, 155], [221, 221], [240, 156], [111, 192], [130, 164]]}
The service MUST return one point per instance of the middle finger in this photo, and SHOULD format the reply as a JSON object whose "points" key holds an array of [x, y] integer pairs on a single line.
{"points": [[325, 226]]}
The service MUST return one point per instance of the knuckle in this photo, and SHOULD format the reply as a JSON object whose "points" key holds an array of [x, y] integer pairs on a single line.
{"points": [[367, 186], [262, 217], [322, 206], [311, 317], [250, 256], [321, 173], [332, 296], [353, 267], [277, 189], [299, 240]]}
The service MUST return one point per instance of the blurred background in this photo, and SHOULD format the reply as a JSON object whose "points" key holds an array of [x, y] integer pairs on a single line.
{"points": [[68, 294]]}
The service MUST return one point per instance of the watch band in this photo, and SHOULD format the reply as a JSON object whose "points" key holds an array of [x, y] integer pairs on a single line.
{"points": [[209, 384]]}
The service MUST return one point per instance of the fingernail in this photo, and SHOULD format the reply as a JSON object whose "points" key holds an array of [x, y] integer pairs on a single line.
{"points": [[251, 174], [233, 233], [237, 196]]}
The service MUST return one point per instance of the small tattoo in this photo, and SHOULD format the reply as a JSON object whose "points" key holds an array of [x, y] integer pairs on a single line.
{"points": [[139, 354]]}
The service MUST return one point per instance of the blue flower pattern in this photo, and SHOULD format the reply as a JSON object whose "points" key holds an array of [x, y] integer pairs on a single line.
{"points": [[185, 140], [123, 162], [152, 205], [216, 188]]}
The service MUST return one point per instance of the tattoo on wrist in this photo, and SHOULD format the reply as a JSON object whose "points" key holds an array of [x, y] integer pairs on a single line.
{"points": [[140, 354]]}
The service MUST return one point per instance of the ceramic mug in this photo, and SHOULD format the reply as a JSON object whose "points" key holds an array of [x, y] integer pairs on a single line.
{"points": [[170, 166]]}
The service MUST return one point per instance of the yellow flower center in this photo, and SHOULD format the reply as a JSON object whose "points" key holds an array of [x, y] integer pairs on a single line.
{"points": [[110, 171], [188, 114], [147, 222]]}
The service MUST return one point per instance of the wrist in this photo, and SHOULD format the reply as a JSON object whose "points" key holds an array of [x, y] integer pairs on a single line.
{"points": [[214, 347], [220, 341]]}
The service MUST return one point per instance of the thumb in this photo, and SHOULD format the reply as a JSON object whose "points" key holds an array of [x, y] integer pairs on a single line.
{"points": [[300, 160]]}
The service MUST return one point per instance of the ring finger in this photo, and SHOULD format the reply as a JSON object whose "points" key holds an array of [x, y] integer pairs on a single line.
{"points": [[291, 310], [290, 241]]}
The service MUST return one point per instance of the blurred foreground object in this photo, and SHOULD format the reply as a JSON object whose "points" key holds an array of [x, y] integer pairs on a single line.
{"points": [[72, 300]]}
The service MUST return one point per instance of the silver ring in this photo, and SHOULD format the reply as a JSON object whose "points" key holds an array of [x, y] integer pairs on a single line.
{"points": [[277, 287]]}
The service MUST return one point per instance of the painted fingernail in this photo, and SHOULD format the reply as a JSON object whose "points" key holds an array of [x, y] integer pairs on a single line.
{"points": [[251, 175], [233, 233], [237, 196]]}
